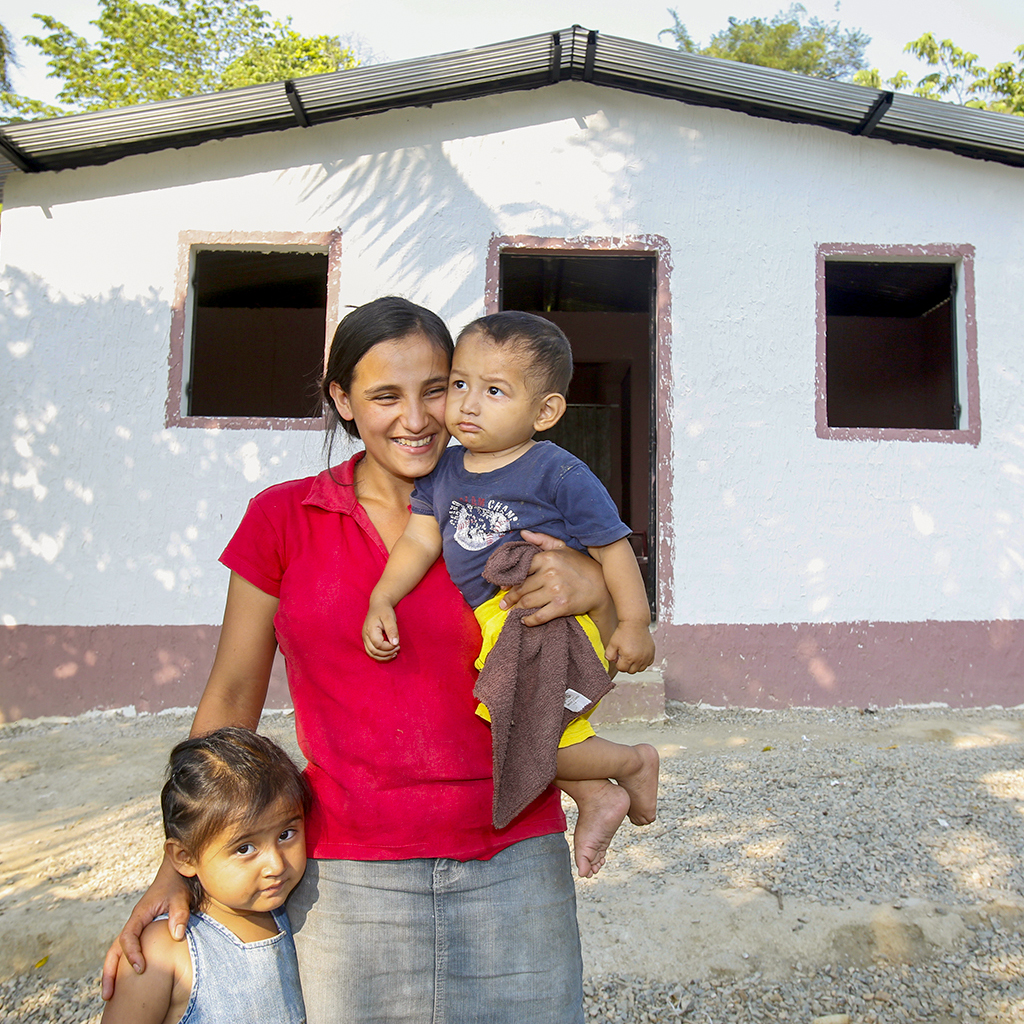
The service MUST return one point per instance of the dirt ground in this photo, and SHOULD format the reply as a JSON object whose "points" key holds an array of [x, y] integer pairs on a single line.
{"points": [[80, 821]]}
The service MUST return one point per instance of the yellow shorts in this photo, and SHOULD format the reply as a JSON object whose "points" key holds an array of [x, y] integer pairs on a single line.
{"points": [[492, 618]]}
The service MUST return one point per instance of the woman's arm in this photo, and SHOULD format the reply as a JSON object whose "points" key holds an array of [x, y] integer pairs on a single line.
{"points": [[563, 581], [237, 687], [234, 695]]}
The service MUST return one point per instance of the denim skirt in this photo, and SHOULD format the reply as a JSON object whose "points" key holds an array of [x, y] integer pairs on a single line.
{"points": [[438, 941]]}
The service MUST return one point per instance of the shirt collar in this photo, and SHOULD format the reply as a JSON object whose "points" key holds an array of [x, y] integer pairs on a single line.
{"points": [[334, 489]]}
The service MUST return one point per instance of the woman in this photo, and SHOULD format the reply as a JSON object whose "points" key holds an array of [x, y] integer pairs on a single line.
{"points": [[413, 908]]}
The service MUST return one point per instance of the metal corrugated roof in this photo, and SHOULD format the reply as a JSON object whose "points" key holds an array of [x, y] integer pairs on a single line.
{"points": [[529, 63]]}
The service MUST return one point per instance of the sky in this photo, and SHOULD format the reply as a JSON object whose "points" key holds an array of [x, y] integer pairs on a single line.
{"points": [[402, 29]]}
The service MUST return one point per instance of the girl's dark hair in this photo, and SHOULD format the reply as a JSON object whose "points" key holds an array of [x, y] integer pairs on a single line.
{"points": [[385, 319], [228, 778], [544, 345]]}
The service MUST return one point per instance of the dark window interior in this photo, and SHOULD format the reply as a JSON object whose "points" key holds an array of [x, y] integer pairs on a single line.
{"points": [[578, 284], [258, 322], [890, 345]]}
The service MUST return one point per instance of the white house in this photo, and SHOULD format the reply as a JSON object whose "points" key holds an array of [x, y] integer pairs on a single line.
{"points": [[795, 306]]}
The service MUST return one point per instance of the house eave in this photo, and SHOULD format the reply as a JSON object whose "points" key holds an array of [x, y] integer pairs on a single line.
{"points": [[532, 62]]}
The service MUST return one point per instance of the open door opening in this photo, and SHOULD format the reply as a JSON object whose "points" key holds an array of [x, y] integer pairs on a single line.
{"points": [[604, 301]]}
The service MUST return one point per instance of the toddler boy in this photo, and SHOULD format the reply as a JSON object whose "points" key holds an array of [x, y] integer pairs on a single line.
{"points": [[510, 372]]}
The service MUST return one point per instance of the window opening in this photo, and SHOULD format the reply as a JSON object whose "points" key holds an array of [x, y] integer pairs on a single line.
{"points": [[257, 339], [891, 345]]}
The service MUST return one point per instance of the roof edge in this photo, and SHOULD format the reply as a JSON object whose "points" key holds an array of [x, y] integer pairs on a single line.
{"points": [[531, 62]]}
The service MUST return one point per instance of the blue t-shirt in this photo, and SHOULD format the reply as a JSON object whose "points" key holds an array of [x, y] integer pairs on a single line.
{"points": [[548, 490]]}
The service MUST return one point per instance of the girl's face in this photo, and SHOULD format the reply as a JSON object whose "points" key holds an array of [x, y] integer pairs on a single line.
{"points": [[397, 401], [251, 870]]}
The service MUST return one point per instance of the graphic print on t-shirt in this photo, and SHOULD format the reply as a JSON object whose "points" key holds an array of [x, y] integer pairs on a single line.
{"points": [[480, 523]]}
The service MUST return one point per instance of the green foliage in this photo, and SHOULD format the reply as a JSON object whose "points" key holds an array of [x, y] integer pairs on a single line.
{"points": [[21, 108], [8, 99], [954, 66], [1004, 85], [7, 60], [790, 41], [957, 75], [173, 48], [288, 56]]}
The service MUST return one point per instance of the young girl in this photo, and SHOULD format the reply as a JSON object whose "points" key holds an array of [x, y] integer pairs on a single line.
{"points": [[233, 806]]}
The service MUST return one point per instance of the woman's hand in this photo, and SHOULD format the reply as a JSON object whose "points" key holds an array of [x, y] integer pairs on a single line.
{"points": [[561, 582], [167, 895]]}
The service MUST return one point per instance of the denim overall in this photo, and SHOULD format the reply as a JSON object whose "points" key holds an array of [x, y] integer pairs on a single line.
{"points": [[235, 982]]}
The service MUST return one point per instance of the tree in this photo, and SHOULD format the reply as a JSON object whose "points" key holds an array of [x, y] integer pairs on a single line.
{"points": [[958, 75], [790, 42], [1004, 85], [173, 48], [6, 60]]}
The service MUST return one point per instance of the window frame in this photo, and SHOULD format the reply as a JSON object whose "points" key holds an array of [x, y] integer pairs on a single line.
{"points": [[660, 541], [961, 257], [190, 242]]}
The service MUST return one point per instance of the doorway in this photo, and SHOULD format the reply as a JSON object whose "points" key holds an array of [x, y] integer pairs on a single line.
{"points": [[604, 302]]}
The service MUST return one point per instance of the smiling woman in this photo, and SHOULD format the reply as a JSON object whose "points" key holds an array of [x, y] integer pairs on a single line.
{"points": [[399, 765]]}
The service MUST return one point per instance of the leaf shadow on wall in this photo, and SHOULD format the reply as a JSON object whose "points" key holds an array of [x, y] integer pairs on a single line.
{"points": [[104, 511]]}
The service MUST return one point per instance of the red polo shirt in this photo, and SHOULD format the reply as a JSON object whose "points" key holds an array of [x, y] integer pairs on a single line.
{"points": [[399, 763]]}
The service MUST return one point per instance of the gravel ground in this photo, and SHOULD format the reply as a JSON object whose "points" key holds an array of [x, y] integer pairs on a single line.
{"points": [[832, 866]]}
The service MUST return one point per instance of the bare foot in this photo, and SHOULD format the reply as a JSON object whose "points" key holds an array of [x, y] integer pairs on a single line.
{"points": [[600, 814], [642, 786]]}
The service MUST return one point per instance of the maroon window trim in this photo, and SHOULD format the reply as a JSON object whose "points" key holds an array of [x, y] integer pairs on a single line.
{"points": [[654, 245], [960, 254], [327, 241]]}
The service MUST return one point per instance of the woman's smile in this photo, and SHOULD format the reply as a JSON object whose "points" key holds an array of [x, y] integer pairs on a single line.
{"points": [[421, 442]]}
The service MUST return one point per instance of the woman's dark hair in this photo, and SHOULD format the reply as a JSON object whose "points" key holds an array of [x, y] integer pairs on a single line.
{"points": [[545, 347], [230, 777], [385, 319]]}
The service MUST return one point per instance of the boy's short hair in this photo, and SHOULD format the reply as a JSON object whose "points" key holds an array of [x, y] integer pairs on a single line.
{"points": [[546, 348]]}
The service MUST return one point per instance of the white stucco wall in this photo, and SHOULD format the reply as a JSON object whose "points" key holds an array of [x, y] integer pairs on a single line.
{"points": [[108, 517]]}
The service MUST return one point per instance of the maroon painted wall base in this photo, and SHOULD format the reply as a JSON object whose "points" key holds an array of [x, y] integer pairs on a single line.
{"points": [[66, 670], [853, 664]]}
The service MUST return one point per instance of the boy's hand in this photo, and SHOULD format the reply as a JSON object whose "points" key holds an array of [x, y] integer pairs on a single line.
{"points": [[631, 647], [380, 632]]}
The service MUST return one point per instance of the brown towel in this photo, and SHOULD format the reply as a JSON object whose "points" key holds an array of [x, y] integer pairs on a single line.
{"points": [[535, 681]]}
